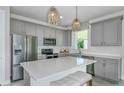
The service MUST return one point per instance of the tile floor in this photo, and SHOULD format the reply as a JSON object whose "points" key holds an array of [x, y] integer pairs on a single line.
{"points": [[100, 82], [96, 82]]}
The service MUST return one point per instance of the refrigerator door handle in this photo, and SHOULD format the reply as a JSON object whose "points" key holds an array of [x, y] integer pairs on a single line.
{"points": [[25, 51]]}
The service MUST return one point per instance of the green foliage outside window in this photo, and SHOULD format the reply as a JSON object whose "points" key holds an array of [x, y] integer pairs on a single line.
{"points": [[82, 35], [80, 43]]}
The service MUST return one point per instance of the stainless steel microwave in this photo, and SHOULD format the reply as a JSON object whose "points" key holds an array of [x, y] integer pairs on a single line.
{"points": [[49, 41]]}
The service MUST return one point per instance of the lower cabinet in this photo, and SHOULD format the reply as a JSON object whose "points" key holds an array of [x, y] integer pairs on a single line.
{"points": [[108, 68], [99, 69]]}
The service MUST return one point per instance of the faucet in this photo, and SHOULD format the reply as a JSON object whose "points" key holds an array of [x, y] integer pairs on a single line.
{"points": [[79, 51]]}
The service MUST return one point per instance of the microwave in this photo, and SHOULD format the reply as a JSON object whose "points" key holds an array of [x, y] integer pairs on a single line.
{"points": [[49, 41]]}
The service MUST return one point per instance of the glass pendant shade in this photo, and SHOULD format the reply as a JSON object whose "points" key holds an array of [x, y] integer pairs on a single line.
{"points": [[53, 16], [76, 25]]}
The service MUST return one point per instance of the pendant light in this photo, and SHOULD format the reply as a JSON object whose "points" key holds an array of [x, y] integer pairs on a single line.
{"points": [[76, 22], [53, 16]]}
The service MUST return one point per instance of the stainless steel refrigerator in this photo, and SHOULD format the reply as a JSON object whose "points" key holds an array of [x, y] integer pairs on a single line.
{"points": [[24, 48]]}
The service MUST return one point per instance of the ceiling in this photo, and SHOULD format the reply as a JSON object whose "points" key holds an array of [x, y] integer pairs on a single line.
{"points": [[85, 13]]}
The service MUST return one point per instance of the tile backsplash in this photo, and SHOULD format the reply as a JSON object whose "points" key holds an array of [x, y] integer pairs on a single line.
{"points": [[56, 49]]}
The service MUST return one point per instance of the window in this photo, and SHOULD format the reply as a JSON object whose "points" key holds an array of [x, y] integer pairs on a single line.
{"points": [[82, 39]]}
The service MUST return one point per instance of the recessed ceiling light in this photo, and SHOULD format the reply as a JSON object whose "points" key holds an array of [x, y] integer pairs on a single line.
{"points": [[61, 17]]}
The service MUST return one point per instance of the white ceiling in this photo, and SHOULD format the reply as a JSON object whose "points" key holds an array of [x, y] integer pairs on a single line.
{"points": [[85, 13]]}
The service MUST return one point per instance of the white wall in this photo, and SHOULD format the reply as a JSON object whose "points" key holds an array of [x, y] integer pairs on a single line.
{"points": [[5, 45], [123, 49], [2, 20]]}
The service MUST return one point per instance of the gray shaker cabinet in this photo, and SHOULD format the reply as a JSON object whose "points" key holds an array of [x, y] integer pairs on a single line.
{"points": [[40, 34], [49, 33], [112, 32], [99, 68], [17, 27], [30, 29], [112, 69], [65, 38], [97, 34], [59, 38], [108, 68], [69, 38], [107, 33]]}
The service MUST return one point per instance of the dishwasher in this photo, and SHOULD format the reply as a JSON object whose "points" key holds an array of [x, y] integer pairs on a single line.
{"points": [[90, 68]]}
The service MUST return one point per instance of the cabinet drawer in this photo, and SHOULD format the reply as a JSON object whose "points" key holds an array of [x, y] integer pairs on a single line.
{"points": [[112, 61]]}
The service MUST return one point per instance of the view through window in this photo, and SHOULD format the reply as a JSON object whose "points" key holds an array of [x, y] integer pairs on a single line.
{"points": [[82, 39]]}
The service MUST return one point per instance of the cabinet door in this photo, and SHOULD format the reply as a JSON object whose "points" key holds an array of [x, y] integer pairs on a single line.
{"points": [[49, 33], [40, 35], [59, 38], [46, 33], [99, 67], [16, 27], [111, 69], [97, 34], [65, 38], [111, 31], [52, 33], [30, 29], [69, 37]]}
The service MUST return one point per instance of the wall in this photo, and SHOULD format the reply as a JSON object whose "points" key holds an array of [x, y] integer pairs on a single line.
{"points": [[2, 19], [122, 49], [5, 45]]}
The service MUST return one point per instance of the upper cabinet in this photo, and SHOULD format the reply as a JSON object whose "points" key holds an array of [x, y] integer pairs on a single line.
{"points": [[107, 33], [17, 27], [49, 33], [67, 38], [97, 34], [40, 34], [60, 38], [113, 32], [30, 29], [63, 38]]}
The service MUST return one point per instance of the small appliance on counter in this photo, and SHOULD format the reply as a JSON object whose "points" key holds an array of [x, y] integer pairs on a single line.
{"points": [[49, 53], [64, 52]]}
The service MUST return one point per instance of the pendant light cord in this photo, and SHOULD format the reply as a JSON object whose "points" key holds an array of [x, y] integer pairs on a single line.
{"points": [[76, 12]]}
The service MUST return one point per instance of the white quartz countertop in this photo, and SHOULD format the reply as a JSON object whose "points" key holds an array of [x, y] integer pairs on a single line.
{"points": [[43, 68], [103, 55]]}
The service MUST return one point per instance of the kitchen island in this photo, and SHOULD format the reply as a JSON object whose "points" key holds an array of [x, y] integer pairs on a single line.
{"points": [[42, 72]]}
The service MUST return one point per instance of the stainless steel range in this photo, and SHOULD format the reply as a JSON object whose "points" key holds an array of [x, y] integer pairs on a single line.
{"points": [[49, 53]]}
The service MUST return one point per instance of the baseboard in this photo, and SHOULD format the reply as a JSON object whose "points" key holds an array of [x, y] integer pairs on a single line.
{"points": [[3, 83]]}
